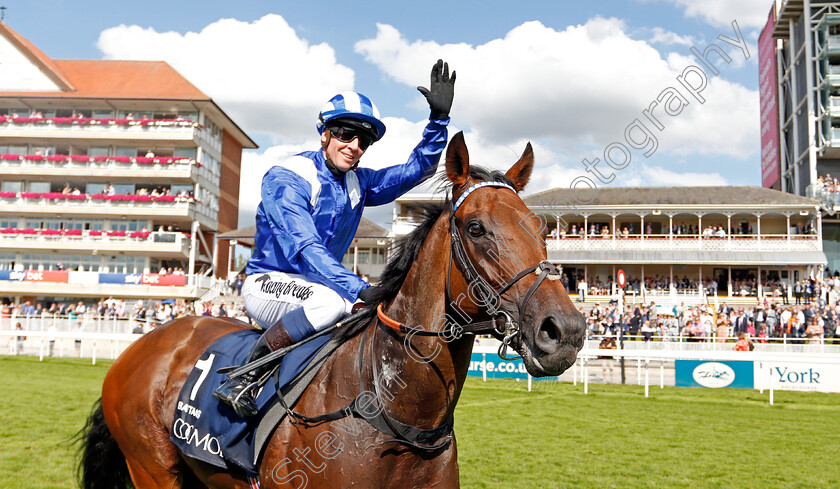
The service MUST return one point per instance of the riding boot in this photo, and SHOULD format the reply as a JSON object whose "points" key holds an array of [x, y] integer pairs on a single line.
{"points": [[238, 392]]}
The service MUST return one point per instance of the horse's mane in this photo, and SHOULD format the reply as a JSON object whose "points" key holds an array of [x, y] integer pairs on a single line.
{"points": [[406, 250]]}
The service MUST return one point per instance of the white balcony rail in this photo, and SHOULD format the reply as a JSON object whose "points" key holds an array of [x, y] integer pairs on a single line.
{"points": [[100, 201], [80, 238], [739, 242]]}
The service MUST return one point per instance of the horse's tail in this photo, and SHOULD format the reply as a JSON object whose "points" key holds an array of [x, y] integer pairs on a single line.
{"points": [[101, 463]]}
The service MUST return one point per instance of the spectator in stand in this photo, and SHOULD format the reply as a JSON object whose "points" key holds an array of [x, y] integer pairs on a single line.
{"points": [[78, 330], [76, 191], [607, 343], [647, 331], [815, 330], [797, 292], [744, 343], [19, 339], [150, 154], [240, 279], [722, 332], [66, 190]]}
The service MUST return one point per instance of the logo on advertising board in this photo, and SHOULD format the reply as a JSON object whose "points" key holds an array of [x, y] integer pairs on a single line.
{"points": [[713, 375], [150, 279], [12, 275], [46, 276]]}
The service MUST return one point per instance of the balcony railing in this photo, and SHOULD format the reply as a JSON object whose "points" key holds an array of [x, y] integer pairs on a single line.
{"points": [[98, 121], [78, 165], [764, 242], [106, 127], [95, 202], [85, 161], [828, 198], [77, 239], [58, 196]]}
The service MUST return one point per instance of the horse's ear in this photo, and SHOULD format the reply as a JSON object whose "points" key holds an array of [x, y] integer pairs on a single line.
{"points": [[520, 172], [457, 160]]}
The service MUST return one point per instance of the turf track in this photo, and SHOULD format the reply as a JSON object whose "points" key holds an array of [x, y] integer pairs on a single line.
{"points": [[553, 437]]}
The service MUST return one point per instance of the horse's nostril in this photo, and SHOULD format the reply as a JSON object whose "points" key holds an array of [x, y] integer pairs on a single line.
{"points": [[548, 335]]}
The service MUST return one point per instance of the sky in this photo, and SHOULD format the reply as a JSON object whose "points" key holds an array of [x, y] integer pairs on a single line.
{"points": [[573, 78]]}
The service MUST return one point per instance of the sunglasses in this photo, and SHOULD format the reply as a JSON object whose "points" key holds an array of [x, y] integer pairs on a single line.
{"points": [[348, 134]]}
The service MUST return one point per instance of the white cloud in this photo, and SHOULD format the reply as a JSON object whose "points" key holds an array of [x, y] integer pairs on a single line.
{"points": [[721, 13], [262, 73], [579, 86], [655, 176], [661, 36]]}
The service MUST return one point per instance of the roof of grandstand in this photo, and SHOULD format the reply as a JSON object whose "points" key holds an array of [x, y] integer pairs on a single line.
{"points": [[741, 195]]}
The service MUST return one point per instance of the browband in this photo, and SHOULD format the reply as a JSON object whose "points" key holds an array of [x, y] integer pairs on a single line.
{"points": [[476, 187]]}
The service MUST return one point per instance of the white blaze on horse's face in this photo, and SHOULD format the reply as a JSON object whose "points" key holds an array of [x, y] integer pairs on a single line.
{"points": [[503, 237]]}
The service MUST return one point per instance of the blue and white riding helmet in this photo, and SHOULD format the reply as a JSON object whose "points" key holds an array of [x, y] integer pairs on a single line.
{"points": [[353, 106]]}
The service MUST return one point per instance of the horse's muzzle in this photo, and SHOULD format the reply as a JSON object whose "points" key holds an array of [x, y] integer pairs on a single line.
{"points": [[555, 344]]}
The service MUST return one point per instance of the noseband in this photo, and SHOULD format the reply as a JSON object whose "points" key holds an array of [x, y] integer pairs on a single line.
{"points": [[502, 323]]}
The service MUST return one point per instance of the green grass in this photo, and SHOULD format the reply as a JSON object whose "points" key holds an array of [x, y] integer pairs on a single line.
{"points": [[43, 405], [553, 437], [558, 437]]}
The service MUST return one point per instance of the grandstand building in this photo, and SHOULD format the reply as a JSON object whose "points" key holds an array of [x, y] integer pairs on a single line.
{"points": [[799, 73], [115, 178], [694, 244]]}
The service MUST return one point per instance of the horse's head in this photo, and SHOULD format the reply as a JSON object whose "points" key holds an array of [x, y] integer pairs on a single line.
{"points": [[502, 260]]}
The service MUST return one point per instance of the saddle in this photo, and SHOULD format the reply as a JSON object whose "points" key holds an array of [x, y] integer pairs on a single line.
{"points": [[210, 431]]}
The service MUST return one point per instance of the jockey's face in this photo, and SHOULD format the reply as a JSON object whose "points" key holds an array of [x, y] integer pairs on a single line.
{"points": [[343, 155]]}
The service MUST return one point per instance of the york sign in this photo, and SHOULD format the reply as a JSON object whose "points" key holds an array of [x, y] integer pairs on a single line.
{"points": [[805, 377]]}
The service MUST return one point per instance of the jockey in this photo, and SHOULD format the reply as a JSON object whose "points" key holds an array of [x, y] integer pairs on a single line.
{"points": [[311, 206]]}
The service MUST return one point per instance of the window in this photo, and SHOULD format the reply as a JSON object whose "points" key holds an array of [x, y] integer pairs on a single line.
{"points": [[11, 187], [95, 188], [8, 223], [99, 151], [177, 188], [124, 188], [7, 260], [103, 114], [184, 153], [130, 152], [41, 187]]}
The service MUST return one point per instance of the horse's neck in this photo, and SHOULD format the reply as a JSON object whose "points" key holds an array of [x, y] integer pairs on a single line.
{"points": [[431, 371]]}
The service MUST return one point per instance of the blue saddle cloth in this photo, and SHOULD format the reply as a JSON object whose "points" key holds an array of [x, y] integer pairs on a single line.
{"points": [[210, 431]]}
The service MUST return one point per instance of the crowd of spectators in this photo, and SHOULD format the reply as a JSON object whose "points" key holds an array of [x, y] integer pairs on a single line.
{"points": [[711, 231], [811, 322], [146, 313]]}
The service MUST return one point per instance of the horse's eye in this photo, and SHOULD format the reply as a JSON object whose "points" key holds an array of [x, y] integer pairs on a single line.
{"points": [[475, 229]]}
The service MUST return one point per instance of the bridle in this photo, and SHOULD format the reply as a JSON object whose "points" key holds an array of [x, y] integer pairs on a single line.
{"points": [[439, 437], [502, 324]]}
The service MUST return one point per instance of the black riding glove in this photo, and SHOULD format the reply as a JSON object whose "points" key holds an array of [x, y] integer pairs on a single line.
{"points": [[440, 92], [369, 295]]}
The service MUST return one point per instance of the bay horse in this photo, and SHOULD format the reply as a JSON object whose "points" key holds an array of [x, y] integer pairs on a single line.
{"points": [[441, 271]]}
